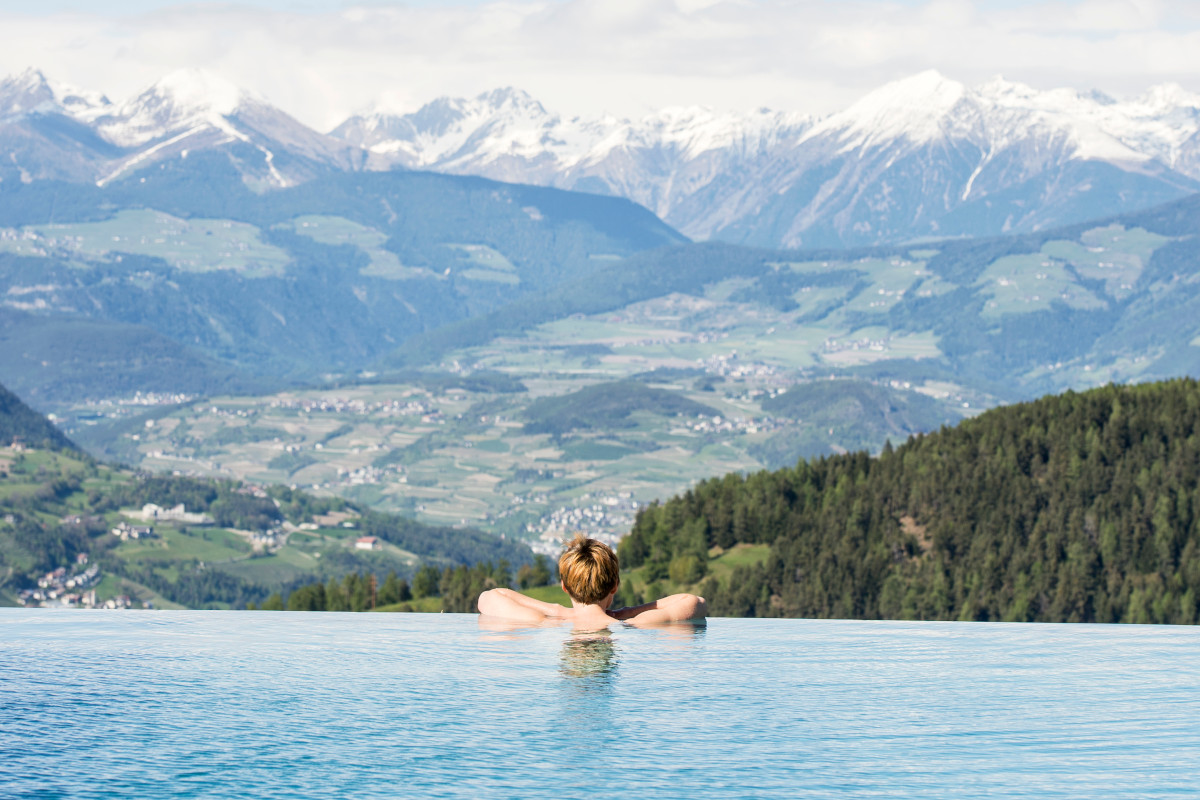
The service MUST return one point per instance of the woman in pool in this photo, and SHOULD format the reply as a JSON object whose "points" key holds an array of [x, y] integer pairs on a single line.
{"points": [[590, 576]]}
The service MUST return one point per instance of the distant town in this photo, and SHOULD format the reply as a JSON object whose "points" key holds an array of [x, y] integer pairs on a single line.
{"points": [[72, 588]]}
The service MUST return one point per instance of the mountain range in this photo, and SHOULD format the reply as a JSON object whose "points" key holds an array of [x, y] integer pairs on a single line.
{"points": [[921, 157], [924, 157]]}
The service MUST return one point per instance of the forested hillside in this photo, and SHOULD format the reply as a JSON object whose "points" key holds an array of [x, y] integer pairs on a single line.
{"points": [[216, 288], [1077, 507], [20, 423], [605, 407]]}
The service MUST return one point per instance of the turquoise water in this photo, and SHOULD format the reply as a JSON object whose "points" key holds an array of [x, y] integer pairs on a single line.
{"points": [[271, 704]]}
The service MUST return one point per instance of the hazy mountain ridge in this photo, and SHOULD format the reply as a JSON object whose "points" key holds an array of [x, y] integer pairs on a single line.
{"points": [[1114, 286]]}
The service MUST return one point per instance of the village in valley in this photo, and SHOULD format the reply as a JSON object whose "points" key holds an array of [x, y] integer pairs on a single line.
{"points": [[458, 444], [524, 437], [76, 587], [63, 588]]}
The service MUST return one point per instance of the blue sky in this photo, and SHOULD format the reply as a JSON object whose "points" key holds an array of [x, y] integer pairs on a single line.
{"points": [[324, 59]]}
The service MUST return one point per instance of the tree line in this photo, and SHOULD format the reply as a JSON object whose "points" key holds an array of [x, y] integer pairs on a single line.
{"points": [[455, 587], [1081, 507]]}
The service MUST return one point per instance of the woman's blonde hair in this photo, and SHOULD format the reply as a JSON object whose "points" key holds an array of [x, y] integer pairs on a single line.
{"points": [[589, 569]]}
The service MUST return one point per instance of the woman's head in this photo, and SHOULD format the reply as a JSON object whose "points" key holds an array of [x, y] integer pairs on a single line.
{"points": [[589, 569]]}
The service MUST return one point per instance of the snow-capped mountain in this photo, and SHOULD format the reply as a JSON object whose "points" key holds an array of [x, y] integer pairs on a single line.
{"points": [[31, 93], [45, 130], [192, 109], [927, 156], [54, 131], [507, 135], [924, 156]]}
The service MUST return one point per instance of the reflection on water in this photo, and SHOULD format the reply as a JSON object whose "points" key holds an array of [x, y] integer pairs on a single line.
{"points": [[588, 663], [589, 658]]}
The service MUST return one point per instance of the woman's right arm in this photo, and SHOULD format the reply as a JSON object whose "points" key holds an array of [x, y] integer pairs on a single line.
{"points": [[507, 604]]}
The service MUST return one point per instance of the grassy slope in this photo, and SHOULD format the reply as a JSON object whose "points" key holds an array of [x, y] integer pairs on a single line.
{"points": [[38, 488]]}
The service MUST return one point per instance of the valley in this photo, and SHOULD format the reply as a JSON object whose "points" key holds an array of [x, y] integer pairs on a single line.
{"points": [[317, 364], [579, 421], [516, 362], [495, 456]]}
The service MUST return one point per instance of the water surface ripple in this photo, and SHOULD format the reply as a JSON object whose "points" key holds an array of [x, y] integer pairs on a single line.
{"points": [[280, 705]]}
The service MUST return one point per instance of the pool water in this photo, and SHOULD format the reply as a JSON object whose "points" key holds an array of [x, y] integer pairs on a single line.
{"points": [[274, 704]]}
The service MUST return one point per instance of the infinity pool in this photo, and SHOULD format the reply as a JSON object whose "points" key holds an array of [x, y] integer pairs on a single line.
{"points": [[273, 704]]}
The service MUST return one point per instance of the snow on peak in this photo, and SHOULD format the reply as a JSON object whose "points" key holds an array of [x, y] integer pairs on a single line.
{"points": [[458, 134], [184, 99], [1087, 123], [510, 99], [504, 121], [1094, 125], [32, 91], [1001, 90], [913, 107], [999, 113], [196, 89], [29, 79], [25, 92], [1165, 98], [694, 130], [926, 87], [466, 135], [81, 103]]}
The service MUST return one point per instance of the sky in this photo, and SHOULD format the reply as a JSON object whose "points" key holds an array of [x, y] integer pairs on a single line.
{"points": [[323, 60]]}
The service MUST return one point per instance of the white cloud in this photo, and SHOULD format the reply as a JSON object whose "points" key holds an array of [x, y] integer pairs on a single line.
{"points": [[622, 56]]}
